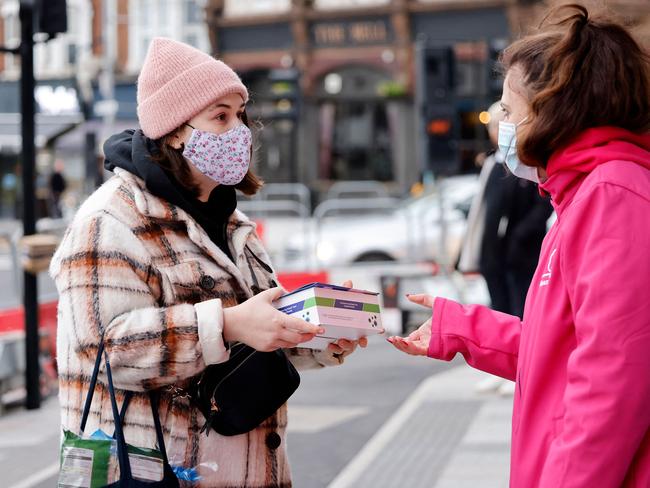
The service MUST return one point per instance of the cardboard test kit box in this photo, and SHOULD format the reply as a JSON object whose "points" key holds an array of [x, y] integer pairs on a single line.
{"points": [[344, 313]]}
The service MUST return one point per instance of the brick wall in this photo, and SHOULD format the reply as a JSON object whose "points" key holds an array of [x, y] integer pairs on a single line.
{"points": [[122, 35]]}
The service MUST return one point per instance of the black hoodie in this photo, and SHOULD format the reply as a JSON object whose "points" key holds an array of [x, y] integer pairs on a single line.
{"points": [[132, 151]]}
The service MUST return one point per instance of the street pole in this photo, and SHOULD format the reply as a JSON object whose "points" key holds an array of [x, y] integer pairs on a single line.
{"points": [[30, 297]]}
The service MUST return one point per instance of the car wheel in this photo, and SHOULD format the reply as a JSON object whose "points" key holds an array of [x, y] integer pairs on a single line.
{"points": [[374, 256]]}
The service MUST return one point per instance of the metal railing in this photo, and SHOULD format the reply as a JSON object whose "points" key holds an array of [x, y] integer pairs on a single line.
{"points": [[290, 191], [12, 362], [273, 208], [356, 189], [10, 233], [355, 206]]}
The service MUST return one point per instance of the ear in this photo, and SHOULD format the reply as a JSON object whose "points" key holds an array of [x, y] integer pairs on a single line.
{"points": [[177, 138], [175, 141]]}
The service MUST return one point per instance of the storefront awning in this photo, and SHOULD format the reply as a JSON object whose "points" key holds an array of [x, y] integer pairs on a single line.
{"points": [[48, 128]]}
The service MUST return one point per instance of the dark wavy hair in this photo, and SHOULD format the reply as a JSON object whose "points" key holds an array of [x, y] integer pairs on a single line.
{"points": [[173, 161], [578, 72]]}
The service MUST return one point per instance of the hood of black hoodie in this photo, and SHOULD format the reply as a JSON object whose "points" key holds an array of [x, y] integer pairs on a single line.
{"points": [[132, 151]]}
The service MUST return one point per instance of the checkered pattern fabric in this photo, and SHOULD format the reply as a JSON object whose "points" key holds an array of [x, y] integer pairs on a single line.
{"points": [[142, 273]]}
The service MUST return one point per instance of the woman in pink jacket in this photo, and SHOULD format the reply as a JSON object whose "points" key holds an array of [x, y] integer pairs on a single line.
{"points": [[577, 117]]}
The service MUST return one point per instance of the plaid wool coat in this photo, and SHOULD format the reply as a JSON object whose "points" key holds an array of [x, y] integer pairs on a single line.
{"points": [[144, 274]]}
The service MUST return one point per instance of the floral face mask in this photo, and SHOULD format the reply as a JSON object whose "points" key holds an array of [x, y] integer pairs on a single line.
{"points": [[223, 157]]}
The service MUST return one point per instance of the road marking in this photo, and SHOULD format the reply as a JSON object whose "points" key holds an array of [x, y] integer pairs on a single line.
{"points": [[38, 477], [305, 419], [377, 443], [453, 384]]}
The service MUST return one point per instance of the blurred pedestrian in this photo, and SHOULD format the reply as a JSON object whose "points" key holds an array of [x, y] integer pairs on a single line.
{"points": [[160, 267], [577, 119], [470, 254], [514, 228], [506, 226], [57, 185]]}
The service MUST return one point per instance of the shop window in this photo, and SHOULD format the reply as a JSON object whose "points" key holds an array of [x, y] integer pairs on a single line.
{"points": [[355, 141]]}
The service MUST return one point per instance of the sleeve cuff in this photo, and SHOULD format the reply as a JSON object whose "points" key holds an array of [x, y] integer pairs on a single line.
{"points": [[209, 316], [435, 343]]}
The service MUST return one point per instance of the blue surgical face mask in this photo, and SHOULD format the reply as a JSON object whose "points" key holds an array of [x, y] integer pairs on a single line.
{"points": [[508, 147]]}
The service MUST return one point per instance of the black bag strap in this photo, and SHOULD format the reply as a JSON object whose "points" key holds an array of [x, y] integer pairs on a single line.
{"points": [[91, 391], [118, 415], [91, 387], [154, 396], [122, 452]]}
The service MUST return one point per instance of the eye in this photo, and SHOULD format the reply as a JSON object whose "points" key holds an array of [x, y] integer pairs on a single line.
{"points": [[221, 116], [240, 115]]}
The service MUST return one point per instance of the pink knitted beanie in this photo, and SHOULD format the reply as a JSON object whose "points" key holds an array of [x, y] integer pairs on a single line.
{"points": [[177, 81]]}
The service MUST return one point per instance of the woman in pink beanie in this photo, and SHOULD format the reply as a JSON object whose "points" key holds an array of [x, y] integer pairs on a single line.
{"points": [[160, 268]]}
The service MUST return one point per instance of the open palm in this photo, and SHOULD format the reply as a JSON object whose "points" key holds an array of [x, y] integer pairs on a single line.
{"points": [[417, 342]]}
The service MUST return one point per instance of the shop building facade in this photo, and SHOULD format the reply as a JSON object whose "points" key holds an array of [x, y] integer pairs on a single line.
{"points": [[356, 66], [350, 112]]}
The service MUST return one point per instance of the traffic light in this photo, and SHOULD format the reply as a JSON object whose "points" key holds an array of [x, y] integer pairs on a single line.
{"points": [[285, 92], [438, 73], [442, 139], [52, 17], [438, 117]]}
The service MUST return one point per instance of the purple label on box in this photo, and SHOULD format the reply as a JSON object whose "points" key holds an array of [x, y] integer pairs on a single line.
{"points": [[348, 305]]}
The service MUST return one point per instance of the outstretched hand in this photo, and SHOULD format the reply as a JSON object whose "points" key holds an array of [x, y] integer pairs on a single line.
{"points": [[417, 342]]}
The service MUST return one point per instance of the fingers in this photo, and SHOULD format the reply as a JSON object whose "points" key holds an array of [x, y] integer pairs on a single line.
{"points": [[272, 294], [415, 335], [294, 337], [407, 346], [298, 325], [335, 348], [396, 343], [286, 345], [424, 300], [348, 284], [403, 346], [346, 344]]}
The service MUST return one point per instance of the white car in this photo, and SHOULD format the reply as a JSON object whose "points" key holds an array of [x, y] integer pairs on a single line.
{"points": [[412, 231]]}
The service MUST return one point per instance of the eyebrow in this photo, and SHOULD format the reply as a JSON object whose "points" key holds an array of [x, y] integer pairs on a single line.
{"points": [[224, 105]]}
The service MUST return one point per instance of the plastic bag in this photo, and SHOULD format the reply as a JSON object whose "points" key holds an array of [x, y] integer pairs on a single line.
{"points": [[92, 462]]}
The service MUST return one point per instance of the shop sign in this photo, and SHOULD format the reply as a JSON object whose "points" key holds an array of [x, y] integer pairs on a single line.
{"points": [[360, 32]]}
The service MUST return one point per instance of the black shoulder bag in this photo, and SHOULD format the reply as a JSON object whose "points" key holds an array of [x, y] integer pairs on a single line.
{"points": [[126, 477], [238, 395]]}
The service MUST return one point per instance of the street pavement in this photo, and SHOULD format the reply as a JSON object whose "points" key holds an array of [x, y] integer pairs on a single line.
{"points": [[446, 435], [382, 419]]}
